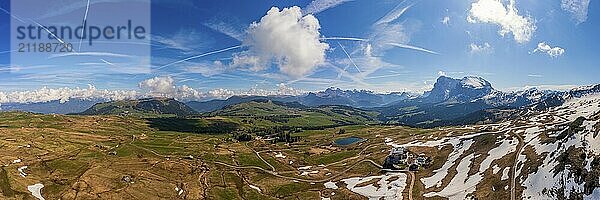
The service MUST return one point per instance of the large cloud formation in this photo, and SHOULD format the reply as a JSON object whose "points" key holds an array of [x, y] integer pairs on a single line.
{"points": [[65, 94], [577, 8], [153, 87], [165, 87], [284, 37], [507, 17]]}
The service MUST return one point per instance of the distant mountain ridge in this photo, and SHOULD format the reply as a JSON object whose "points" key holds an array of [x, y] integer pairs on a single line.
{"points": [[141, 107], [451, 101], [52, 107], [454, 101], [330, 96]]}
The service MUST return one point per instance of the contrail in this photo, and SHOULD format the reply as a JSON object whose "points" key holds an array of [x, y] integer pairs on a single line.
{"points": [[109, 63], [355, 66], [345, 73], [3, 52], [84, 23], [108, 54], [49, 32], [344, 38], [406, 46], [201, 55], [394, 14], [385, 76], [14, 16]]}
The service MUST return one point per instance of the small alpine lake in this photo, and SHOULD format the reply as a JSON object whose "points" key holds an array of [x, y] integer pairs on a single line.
{"points": [[348, 141]]}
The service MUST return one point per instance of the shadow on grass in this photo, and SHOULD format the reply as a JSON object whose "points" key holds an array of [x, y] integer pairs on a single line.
{"points": [[200, 126]]}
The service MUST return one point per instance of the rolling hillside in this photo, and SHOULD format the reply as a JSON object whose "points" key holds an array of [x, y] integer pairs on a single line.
{"points": [[150, 107], [264, 113]]}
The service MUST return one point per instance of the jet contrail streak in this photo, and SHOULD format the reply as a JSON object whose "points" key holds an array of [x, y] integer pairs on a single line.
{"points": [[12, 15], [345, 73], [3, 52], [405, 46], [201, 55], [109, 63], [350, 58], [344, 38], [84, 23], [394, 14], [49, 32]]}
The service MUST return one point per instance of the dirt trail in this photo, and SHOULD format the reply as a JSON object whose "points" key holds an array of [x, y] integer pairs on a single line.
{"points": [[412, 184], [514, 167]]}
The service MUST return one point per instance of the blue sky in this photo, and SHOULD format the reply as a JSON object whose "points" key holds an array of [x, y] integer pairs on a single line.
{"points": [[436, 38]]}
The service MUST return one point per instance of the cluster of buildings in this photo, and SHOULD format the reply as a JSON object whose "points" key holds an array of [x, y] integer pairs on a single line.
{"points": [[401, 159]]}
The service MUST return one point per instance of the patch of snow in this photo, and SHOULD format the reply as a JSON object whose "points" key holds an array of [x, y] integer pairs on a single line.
{"points": [[473, 82], [544, 182], [331, 185], [280, 155], [21, 171], [36, 190], [461, 185], [255, 187], [16, 161], [388, 190], [505, 173], [179, 191], [304, 168], [439, 174], [311, 172], [495, 169], [595, 195], [504, 149]]}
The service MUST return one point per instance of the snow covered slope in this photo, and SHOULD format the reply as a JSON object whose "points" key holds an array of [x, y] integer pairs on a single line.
{"points": [[548, 154]]}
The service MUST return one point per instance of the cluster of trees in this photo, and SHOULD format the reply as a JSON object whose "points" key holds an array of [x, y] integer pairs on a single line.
{"points": [[285, 137], [242, 137]]}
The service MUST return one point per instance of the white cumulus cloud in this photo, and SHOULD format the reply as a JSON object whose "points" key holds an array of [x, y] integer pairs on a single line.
{"points": [[166, 87], [553, 52], [286, 38], [577, 8], [484, 48], [505, 16], [159, 85]]}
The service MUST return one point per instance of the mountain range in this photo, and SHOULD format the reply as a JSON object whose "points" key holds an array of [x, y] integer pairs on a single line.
{"points": [[450, 102]]}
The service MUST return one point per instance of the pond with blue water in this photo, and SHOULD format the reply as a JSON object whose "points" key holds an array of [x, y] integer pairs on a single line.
{"points": [[348, 141]]}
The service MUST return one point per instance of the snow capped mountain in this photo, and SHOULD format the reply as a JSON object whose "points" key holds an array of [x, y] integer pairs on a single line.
{"points": [[462, 90], [518, 98], [475, 82], [477, 89]]}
